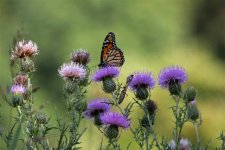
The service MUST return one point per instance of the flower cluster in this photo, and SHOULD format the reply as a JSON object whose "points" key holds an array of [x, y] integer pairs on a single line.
{"points": [[107, 114], [99, 110], [141, 84]]}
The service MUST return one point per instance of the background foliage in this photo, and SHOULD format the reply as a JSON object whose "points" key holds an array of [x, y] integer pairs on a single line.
{"points": [[152, 34]]}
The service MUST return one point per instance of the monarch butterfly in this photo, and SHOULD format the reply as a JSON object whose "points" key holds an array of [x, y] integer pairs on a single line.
{"points": [[111, 55], [123, 92]]}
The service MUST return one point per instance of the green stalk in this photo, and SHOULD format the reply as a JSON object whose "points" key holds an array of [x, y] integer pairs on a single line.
{"points": [[177, 128], [197, 136]]}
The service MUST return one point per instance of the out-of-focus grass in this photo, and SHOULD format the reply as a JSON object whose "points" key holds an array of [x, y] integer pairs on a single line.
{"points": [[152, 34]]}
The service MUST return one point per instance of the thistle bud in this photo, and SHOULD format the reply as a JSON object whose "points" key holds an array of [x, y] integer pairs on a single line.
{"points": [[112, 131], [141, 93], [190, 94], [84, 81], [70, 87], [192, 111], [81, 106], [109, 85], [97, 120], [174, 87], [17, 101], [41, 118], [145, 122]]}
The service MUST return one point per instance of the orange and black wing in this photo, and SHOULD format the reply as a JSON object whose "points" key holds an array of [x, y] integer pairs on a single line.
{"points": [[111, 55]]}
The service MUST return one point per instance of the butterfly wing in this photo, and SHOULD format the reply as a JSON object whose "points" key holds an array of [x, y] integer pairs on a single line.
{"points": [[111, 55]]}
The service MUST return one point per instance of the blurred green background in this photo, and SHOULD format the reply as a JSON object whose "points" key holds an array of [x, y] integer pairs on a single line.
{"points": [[152, 34]]}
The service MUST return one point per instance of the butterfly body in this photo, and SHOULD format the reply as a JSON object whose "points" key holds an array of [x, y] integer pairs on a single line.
{"points": [[111, 55]]}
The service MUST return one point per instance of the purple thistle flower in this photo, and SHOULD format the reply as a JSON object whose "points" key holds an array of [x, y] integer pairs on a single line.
{"points": [[144, 79], [105, 72], [97, 107], [18, 89], [72, 71], [115, 119], [171, 73]]}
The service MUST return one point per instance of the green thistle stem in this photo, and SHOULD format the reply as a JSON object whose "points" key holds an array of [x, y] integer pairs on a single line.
{"points": [[19, 113], [177, 128], [76, 117], [155, 138], [152, 132], [197, 136], [146, 138]]}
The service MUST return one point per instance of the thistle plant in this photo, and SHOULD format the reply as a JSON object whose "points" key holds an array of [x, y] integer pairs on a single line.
{"points": [[142, 84], [108, 114], [75, 74], [172, 78], [32, 124]]}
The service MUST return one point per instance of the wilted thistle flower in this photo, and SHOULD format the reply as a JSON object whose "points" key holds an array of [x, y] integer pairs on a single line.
{"points": [[106, 74], [150, 106], [172, 77], [95, 108], [24, 49], [141, 83], [192, 111], [21, 79], [114, 121], [80, 56], [18, 89], [72, 71], [184, 144]]}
